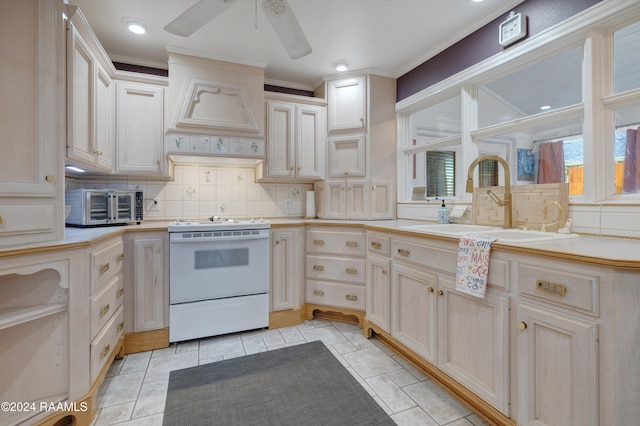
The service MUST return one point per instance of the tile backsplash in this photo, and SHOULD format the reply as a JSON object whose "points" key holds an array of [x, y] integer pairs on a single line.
{"points": [[201, 191]]}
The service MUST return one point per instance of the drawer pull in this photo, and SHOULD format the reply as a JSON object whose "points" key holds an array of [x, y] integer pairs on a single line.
{"points": [[318, 293], [440, 293], [105, 351], [318, 242], [120, 257], [552, 288], [0, 219], [318, 268], [120, 327], [120, 293], [352, 244], [351, 297], [522, 325], [403, 252], [352, 271], [384, 272], [376, 245], [104, 268], [104, 310], [430, 289]]}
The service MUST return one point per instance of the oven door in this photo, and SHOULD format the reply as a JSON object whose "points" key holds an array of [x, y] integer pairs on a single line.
{"points": [[205, 269]]}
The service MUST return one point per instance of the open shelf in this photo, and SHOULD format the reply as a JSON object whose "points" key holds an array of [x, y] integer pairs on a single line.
{"points": [[10, 317]]}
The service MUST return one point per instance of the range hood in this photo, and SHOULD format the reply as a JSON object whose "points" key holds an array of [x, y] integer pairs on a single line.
{"points": [[212, 97]]}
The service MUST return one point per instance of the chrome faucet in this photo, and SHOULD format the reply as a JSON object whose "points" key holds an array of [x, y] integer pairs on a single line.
{"points": [[545, 211], [506, 201]]}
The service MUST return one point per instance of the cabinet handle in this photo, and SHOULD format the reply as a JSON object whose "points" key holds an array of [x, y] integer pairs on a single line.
{"points": [[352, 244], [373, 187], [120, 257], [318, 293], [120, 293], [376, 245], [440, 293], [104, 310], [98, 153], [318, 268], [430, 289], [0, 219], [104, 268], [50, 178], [120, 327], [105, 351], [553, 288], [318, 242], [351, 297], [384, 272], [403, 252], [277, 242], [522, 325], [352, 271]]}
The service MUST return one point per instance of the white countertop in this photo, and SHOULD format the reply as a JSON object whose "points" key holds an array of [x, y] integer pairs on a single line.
{"points": [[616, 252]]}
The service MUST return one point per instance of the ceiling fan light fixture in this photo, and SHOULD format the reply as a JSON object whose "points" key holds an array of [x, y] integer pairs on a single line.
{"points": [[341, 65]]}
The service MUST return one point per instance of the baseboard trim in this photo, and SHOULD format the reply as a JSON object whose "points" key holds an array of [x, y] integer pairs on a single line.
{"points": [[146, 340]]}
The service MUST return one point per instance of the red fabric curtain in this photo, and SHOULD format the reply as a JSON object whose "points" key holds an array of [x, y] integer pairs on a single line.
{"points": [[631, 181], [551, 163]]}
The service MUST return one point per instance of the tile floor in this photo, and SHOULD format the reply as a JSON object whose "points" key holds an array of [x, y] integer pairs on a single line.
{"points": [[134, 391]]}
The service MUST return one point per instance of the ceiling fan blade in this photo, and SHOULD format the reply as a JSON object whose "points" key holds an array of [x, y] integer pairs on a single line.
{"points": [[197, 16], [287, 28]]}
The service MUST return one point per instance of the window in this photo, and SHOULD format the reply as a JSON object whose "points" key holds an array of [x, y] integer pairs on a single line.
{"points": [[441, 174], [626, 149], [626, 58]]}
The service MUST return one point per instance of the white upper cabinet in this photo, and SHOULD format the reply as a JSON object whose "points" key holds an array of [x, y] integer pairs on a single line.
{"points": [[90, 93], [32, 121], [347, 101], [347, 156], [140, 129], [296, 140]]}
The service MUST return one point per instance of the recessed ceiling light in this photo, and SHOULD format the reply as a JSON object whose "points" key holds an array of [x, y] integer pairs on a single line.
{"points": [[545, 107], [476, 1], [135, 25], [341, 65]]}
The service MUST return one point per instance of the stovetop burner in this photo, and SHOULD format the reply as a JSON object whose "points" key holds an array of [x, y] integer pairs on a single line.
{"points": [[217, 223]]}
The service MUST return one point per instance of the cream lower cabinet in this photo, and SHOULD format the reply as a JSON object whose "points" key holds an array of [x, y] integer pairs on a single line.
{"points": [[146, 269], [378, 306], [335, 267], [287, 268], [464, 336]]}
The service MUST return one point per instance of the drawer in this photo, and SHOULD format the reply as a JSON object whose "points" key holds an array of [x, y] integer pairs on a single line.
{"points": [[378, 244], [335, 243], [333, 294], [425, 255], [105, 341], [106, 262], [336, 268], [569, 287], [105, 303]]}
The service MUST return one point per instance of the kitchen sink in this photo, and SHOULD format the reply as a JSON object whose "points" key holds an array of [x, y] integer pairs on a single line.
{"points": [[451, 229], [510, 236], [515, 236]]}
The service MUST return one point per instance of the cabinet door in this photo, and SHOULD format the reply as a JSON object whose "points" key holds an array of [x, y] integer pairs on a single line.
{"points": [[81, 112], [286, 269], [473, 341], [357, 199], [381, 200], [280, 144], [310, 141], [413, 311], [140, 128], [347, 156], [334, 200], [148, 269], [347, 104], [104, 121], [378, 300], [557, 368], [32, 121]]}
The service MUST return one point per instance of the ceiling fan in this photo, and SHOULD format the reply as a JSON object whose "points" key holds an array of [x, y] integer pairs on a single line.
{"points": [[278, 12]]}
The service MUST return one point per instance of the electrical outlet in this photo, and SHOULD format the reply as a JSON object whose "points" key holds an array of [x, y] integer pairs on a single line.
{"points": [[287, 203]]}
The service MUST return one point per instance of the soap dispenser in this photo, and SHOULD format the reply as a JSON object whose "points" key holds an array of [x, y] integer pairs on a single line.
{"points": [[442, 214]]}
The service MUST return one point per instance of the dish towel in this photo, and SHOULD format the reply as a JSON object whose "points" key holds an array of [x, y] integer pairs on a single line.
{"points": [[473, 264]]}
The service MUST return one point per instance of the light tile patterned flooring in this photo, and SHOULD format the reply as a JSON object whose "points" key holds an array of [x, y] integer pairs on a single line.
{"points": [[134, 391]]}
